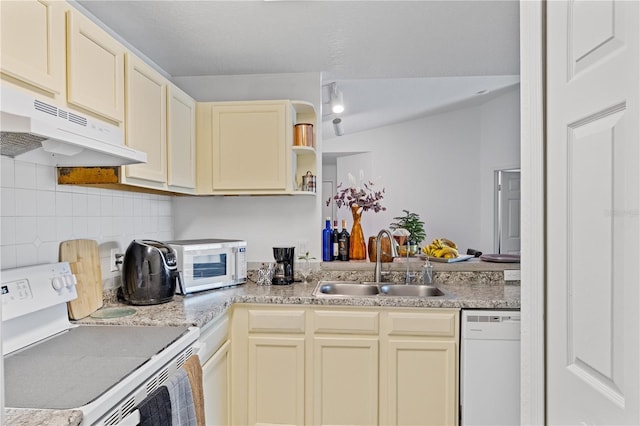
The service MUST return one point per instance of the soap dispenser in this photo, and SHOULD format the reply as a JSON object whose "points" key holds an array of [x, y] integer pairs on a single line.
{"points": [[427, 272]]}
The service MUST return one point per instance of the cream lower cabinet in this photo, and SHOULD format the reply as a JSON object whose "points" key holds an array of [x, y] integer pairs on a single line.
{"points": [[268, 365], [419, 363], [344, 366]]}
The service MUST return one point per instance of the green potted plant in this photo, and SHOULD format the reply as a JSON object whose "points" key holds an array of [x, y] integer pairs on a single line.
{"points": [[412, 223]]}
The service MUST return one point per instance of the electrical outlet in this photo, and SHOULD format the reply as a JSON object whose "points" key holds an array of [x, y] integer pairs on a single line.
{"points": [[512, 274], [113, 266]]}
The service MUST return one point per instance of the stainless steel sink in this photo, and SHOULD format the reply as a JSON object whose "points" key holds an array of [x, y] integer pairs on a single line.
{"points": [[346, 288], [410, 290]]}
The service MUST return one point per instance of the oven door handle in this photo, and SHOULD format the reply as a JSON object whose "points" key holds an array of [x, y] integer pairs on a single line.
{"points": [[131, 419]]}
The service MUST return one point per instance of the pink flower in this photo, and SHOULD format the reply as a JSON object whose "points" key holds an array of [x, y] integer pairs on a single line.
{"points": [[364, 196]]}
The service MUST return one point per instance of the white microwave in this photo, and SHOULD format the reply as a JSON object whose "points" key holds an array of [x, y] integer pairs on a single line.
{"points": [[210, 263]]}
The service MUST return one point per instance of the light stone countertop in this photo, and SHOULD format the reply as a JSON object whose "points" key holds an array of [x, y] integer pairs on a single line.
{"points": [[32, 417], [201, 308]]}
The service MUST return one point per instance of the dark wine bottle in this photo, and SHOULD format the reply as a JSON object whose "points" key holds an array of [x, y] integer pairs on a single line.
{"points": [[326, 241], [343, 242], [335, 246]]}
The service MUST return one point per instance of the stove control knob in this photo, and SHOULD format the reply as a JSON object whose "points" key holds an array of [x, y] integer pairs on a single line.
{"points": [[57, 283], [70, 280]]}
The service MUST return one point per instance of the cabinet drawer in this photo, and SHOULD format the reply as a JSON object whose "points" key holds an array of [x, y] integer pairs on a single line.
{"points": [[345, 322], [276, 321], [423, 324]]}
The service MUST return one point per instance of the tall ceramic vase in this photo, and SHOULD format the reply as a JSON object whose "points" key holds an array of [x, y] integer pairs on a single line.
{"points": [[357, 246]]}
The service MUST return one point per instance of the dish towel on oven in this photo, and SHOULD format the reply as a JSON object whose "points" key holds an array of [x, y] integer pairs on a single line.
{"points": [[194, 369], [183, 411], [155, 409]]}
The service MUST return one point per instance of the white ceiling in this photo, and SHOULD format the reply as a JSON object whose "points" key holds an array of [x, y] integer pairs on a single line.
{"points": [[393, 60]]}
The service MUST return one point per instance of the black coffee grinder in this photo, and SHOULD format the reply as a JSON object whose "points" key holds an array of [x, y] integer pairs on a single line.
{"points": [[283, 273]]}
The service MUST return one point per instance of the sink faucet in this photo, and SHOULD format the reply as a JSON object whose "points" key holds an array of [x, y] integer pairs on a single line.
{"points": [[394, 252]]}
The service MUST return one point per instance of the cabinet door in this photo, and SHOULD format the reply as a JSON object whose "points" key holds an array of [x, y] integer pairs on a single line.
{"points": [[276, 380], [250, 147], [345, 381], [421, 386], [145, 128], [95, 68], [215, 382], [181, 139], [33, 43]]}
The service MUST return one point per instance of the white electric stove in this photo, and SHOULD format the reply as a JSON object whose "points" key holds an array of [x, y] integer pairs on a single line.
{"points": [[104, 371]]}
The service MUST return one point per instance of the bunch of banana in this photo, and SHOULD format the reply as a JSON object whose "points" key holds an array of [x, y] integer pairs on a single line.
{"points": [[441, 247]]}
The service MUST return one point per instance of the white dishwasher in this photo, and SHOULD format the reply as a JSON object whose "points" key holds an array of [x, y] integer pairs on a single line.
{"points": [[490, 368]]}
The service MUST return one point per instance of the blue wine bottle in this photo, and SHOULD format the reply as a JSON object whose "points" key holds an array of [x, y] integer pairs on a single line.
{"points": [[326, 241]]}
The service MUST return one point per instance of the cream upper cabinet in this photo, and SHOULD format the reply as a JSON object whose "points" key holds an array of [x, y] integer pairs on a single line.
{"points": [[249, 143], [181, 139], [33, 43], [146, 123], [95, 68], [420, 362], [247, 147]]}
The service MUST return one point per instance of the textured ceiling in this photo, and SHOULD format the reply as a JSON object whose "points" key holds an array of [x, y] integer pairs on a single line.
{"points": [[446, 50]]}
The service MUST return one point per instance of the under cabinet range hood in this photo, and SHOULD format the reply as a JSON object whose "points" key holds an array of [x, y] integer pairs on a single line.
{"points": [[37, 131]]}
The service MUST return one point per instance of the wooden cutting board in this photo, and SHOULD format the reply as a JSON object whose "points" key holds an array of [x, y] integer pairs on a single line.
{"points": [[84, 259]]}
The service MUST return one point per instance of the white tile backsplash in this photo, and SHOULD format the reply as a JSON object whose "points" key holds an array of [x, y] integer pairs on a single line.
{"points": [[25, 175], [26, 202], [36, 214], [7, 174], [46, 202], [26, 229], [64, 204], [106, 205], [93, 205], [47, 229], [45, 178], [26, 254], [64, 228], [79, 202], [8, 235], [8, 256], [7, 202]]}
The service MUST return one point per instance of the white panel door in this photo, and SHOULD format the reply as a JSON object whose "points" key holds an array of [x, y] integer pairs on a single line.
{"points": [[593, 189], [509, 212]]}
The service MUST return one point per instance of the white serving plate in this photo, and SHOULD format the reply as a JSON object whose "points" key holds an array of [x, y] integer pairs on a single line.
{"points": [[460, 258]]}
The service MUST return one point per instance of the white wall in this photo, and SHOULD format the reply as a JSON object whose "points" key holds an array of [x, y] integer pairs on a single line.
{"points": [[500, 136], [440, 167], [37, 214], [264, 221]]}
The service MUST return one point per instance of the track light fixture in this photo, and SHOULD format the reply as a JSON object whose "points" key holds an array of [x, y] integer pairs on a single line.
{"points": [[337, 102], [337, 127]]}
